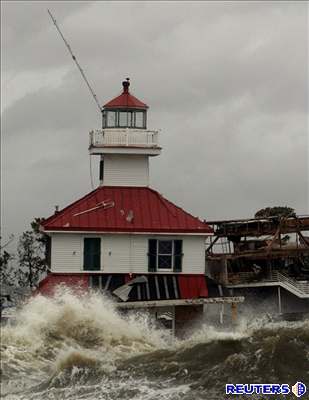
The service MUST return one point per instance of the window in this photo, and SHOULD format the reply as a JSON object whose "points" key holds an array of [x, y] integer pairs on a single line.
{"points": [[123, 119], [139, 119], [164, 255], [101, 170], [111, 119], [92, 254], [130, 119]]}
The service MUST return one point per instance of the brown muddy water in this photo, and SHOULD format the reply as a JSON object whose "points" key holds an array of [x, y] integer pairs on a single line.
{"points": [[82, 348]]}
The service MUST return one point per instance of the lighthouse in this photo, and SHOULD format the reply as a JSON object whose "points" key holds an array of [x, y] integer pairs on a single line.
{"points": [[124, 143], [124, 238]]}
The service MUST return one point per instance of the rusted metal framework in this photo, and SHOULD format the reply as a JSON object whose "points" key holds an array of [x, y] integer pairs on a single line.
{"points": [[261, 237], [252, 249]]}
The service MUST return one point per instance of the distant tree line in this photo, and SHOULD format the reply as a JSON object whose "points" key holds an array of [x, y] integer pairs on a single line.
{"points": [[6, 269], [277, 211], [25, 268]]}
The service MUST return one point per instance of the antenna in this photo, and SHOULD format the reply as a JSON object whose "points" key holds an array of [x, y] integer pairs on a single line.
{"points": [[75, 60]]}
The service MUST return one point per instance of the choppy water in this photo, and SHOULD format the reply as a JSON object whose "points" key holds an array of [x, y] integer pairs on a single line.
{"points": [[81, 348]]}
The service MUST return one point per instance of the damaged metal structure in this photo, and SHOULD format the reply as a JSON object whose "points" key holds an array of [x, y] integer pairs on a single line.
{"points": [[264, 259]]}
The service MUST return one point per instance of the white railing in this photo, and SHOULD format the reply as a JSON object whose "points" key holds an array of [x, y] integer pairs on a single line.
{"points": [[302, 287], [123, 137], [299, 288]]}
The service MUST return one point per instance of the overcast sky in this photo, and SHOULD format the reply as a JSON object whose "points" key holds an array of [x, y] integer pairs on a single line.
{"points": [[227, 82]]}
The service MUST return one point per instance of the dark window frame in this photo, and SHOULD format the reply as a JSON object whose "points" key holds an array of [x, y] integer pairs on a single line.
{"points": [[176, 255]]}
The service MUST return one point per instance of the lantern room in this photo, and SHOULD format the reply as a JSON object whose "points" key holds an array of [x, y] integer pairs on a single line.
{"points": [[125, 111], [124, 143]]}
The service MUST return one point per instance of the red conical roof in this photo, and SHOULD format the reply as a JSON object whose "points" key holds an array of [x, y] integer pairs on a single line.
{"points": [[126, 100]]}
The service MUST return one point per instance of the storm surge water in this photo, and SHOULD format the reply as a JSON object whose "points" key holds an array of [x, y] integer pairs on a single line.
{"points": [[80, 347]]}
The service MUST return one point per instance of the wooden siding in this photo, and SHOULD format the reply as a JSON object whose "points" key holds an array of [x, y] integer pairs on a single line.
{"points": [[193, 255], [66, 253], [130, 170], [122, 253], [116, 253]]}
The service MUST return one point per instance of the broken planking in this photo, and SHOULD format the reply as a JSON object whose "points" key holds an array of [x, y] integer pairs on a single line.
{"points": [[180, 308], [180, 302]]}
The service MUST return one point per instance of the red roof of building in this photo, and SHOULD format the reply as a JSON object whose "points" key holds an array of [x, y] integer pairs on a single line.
{"points": [[125, 209], [126, 99]]}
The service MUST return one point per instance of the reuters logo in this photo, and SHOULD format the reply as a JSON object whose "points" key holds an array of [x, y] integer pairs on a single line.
{"points": [[299, 389]]}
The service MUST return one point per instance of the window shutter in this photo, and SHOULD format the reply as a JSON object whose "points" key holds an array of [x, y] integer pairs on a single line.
{"points": [[178, 255], [92, 254], [97, 255], [87, 254], [152, 255]]}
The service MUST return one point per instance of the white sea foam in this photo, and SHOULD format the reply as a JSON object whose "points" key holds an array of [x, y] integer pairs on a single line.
{"points": [[77, 347], [58, 334]]}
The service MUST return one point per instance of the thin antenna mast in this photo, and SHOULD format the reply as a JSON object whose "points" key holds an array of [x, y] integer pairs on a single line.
{"points": [[76, 62]]}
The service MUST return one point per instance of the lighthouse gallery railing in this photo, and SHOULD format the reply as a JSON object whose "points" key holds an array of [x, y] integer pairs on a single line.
{"points": [[123, 137]]}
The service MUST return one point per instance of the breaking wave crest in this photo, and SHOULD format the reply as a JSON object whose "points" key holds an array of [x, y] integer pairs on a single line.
{"points": [[80, 347]]}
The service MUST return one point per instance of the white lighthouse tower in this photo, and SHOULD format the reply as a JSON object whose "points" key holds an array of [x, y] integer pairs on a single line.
{"points": [[124, 143]]}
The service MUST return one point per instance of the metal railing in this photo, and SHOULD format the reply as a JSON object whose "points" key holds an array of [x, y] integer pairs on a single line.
{"points": [[302, 287], [299, 288], [123, 137]]}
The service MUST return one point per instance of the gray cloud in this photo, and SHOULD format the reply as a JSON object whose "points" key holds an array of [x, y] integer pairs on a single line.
{"points": [[226, 82], [26, 27]]}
